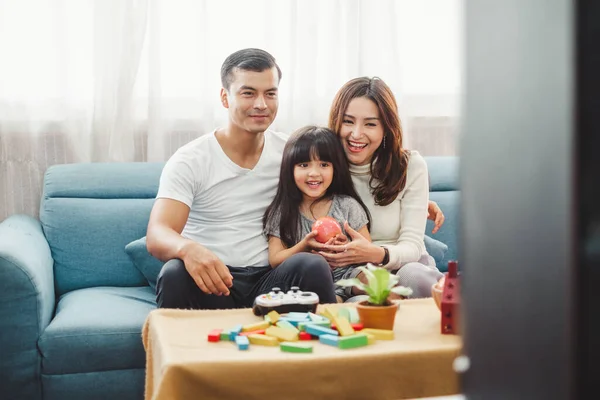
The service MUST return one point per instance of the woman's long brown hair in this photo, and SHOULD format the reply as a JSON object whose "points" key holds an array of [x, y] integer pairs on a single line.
{"points": [[389, 164]]}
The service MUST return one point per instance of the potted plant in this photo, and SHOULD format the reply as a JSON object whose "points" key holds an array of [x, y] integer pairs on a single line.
{"points": [[378, 311]]}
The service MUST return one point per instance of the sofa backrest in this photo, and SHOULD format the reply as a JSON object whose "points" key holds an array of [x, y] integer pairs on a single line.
{"points": [[89, 213], [444, 189]]}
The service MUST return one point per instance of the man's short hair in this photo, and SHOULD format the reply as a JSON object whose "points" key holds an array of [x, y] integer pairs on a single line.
{"points": [[256, 60]]}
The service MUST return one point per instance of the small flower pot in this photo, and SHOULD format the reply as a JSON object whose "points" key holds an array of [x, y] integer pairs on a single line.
{"points": [[378, 317]]}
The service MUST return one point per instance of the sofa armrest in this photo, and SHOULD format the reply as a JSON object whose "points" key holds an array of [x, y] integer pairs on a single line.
{"points": [[26, 303]]}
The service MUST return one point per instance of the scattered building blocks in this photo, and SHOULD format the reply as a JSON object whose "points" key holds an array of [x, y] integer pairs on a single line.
{"points": [[295, 347], [451, 300], [331, 340], [343, 325], [317, 318], [214, 335], [380, 334], [242, 342], [325, 324], [224, 335], [353, 341], [260, 331], [284, 335], [263, 340], [357, 326], [256, 326], [305, 336], [233, 332], [369, 336], [273, 317], [282, 323], [317, 330]]}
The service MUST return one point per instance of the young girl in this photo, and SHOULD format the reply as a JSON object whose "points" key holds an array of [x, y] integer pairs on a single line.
{"points": [[314, 182]]}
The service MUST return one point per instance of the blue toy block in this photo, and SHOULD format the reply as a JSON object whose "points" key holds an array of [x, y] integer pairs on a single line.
{"points": [[317, 330], [242, 342], [235, 331], [330, 340]]}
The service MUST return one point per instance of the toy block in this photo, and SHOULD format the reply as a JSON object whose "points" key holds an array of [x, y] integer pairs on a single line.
{"points": [[260, 332], [304, 336], [298, 316], [331, 340], [263, 340], [357, 326], [328, 313], [284, 335], [282, 323], [350, 313], [242, 342], [224, 335], [317, 330], [317, 318], [255, 327], [273, 316], [325, 324], [292, 347], [380, 334], [369, 336], [233, 332], [343, 326], [214, 335], [353, 341], [451, 300]]}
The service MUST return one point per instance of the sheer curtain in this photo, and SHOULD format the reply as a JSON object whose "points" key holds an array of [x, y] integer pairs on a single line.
{"points": [[132, 80]]}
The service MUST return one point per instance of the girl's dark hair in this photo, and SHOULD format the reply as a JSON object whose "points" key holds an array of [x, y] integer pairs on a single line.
{"points": [[389, 165], [306, 144]]}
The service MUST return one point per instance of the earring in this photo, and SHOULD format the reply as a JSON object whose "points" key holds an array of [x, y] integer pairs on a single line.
{"points": [[384, 142]]}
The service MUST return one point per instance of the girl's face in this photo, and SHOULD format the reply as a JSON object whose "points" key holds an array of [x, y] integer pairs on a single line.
{"points": [[313, 178], [362, 131]]}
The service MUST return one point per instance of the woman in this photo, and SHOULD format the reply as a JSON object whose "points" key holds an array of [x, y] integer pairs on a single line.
{"points": [[392, 182]]}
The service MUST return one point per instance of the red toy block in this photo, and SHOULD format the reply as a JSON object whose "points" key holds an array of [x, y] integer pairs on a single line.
{"points": [[451, 300], [214, 335], [304, 336], [358, 326], [257, 332]]}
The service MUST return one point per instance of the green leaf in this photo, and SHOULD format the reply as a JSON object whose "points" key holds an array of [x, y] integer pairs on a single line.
{"points": [[351, 282], [402, 291]]}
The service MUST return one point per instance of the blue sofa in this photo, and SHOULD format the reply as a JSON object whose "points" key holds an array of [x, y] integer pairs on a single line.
{"points": [[72, 303]]}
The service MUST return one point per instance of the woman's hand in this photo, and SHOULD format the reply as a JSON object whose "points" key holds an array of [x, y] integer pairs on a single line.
{"points": [[434, 213], [342, 253]]}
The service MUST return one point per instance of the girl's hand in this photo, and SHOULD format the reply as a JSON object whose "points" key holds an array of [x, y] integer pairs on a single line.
{"points": [[309, 242], [358, 251]]}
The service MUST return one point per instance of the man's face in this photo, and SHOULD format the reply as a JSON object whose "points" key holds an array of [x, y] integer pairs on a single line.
{"points": [[252, 99]]}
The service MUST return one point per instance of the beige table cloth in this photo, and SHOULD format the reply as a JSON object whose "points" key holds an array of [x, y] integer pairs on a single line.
{"points": [[182, 364]]}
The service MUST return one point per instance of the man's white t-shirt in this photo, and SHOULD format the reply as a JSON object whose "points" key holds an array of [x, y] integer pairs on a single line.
{"points": [[227, 202]]}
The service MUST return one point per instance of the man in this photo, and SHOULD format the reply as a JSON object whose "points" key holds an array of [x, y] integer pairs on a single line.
{"points": [[206, 222]]}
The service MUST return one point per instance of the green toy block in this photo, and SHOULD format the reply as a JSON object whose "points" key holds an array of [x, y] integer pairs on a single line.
{"points": [[317, 318], [282, 323], [350, 313], [224, 334], [353, 341], [293, 347]]}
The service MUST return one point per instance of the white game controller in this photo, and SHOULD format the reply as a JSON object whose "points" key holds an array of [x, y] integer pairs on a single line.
{"points": [[292, 301]]}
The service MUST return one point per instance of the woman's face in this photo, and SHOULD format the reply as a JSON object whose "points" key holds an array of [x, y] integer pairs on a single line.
{"points": [[362, 131]]}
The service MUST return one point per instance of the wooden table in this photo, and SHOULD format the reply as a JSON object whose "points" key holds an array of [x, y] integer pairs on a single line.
{"points": [[182, 364]]}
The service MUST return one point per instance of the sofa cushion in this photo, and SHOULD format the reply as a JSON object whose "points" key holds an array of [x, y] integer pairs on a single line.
{"points": [[436, 249], [97, 329], [448, 233], [89, 212], [147, 264]]}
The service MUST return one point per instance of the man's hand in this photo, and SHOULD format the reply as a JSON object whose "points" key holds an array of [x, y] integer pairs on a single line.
{"points": [[434, 213], [207, 270]]}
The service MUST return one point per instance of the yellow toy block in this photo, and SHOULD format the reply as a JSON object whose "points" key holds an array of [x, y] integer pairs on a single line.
{"points": [[263, 340], [328, 313], [273, 317], [255, 327], [380, 334], [284, 335], [370, 337], [343, 326]]}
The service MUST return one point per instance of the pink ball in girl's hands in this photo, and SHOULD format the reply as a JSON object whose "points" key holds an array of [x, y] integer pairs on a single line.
{"points": [[327, 228]]}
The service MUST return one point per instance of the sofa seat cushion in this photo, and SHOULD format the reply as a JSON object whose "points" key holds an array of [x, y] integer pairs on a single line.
{"points": [[97, 329]]}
